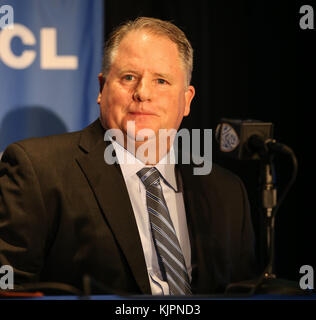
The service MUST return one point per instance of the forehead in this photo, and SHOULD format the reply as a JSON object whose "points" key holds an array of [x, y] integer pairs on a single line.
{"points": [[143, 46]]}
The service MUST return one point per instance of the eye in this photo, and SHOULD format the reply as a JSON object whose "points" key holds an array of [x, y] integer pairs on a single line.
{"points": [[128, 77], [161, 81]]}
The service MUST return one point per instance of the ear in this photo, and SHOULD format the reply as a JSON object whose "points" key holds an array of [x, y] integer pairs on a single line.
{"points": [[101, 79], [189, 94]]}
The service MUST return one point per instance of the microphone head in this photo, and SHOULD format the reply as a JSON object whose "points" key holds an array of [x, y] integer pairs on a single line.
{"points": [[234, 137], [227, 137]]}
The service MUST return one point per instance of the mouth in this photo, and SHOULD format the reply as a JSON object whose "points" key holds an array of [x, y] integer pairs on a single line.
{"points": [[142, 114]]}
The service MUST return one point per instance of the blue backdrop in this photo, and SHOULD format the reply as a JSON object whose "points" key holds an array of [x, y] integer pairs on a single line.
{"points": [[49, 62]]}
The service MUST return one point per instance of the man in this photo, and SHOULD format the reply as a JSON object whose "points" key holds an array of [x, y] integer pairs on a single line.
{"points": [[65, 212]]}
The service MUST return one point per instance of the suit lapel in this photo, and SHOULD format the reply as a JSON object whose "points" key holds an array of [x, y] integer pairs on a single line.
{"points": [[198, 220], [110, 191]]}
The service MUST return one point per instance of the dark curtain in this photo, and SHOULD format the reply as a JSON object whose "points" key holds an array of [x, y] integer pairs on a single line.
{"points": [[245, 66]]}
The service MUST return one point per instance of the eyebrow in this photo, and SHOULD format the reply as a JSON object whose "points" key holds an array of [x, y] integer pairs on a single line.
{"points": [[121, 72], [167, 76], [162, 75], [155, 74]]}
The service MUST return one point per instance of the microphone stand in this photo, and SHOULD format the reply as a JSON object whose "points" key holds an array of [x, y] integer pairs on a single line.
{"points": [[267, 282], [269, 202]]}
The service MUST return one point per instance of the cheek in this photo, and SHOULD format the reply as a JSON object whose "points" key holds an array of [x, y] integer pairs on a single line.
{"points": [[178, 111], [114, 104], [176, 107], [171, 112]]}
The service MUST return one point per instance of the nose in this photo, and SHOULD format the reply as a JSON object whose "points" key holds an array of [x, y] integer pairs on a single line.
{"points": [[142, 91]]}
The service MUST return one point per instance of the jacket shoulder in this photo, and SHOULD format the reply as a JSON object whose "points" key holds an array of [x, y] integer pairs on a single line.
{"points": [[223, 175], [44, 148], [51, 147]]}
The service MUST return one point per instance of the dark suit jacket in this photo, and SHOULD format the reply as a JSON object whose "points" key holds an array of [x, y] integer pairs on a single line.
{"points": [[64, 213]]}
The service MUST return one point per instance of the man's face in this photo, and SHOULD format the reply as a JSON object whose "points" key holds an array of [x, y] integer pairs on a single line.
{"points": [[145, 84]]}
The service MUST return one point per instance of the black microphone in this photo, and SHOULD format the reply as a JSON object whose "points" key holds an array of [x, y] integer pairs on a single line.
{"points": [[253, 139], [247, 139]]}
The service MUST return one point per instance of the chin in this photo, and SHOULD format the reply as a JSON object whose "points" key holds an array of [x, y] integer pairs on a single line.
{"points": [[141, 131], [145, 133]]}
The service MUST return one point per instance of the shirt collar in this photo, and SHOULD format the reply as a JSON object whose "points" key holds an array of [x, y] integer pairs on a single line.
{"points": [[130, 165]]}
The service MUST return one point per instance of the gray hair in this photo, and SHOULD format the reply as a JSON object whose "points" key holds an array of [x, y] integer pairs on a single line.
{"points": [[157, 27]]}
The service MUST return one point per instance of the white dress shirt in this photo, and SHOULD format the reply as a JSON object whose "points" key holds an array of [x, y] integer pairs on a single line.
{"points": [[137, 194]]}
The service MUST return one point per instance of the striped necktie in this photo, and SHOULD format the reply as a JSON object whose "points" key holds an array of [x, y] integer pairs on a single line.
{"points": [[165, 239]]}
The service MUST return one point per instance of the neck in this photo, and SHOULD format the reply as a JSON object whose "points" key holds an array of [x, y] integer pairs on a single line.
{"points": [[150, 151]]}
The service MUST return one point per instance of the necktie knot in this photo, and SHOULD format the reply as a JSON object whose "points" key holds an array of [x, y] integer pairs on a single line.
{"points": [[148, 176]]}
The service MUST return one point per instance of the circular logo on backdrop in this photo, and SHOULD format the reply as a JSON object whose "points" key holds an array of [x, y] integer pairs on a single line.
{"points": [[229, 139]]}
